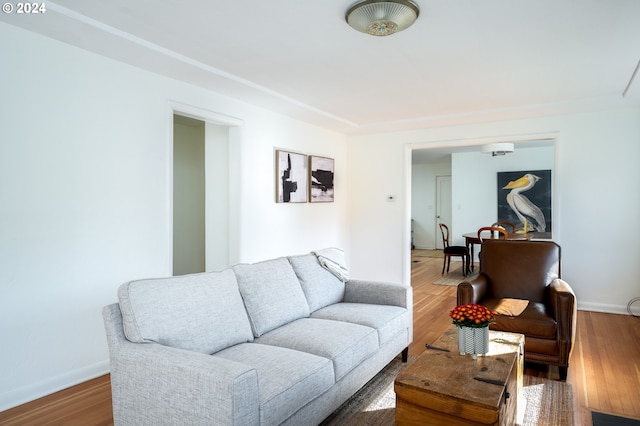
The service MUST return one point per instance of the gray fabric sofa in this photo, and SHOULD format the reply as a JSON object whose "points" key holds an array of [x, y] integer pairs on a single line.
{"points": [[282, 341]]}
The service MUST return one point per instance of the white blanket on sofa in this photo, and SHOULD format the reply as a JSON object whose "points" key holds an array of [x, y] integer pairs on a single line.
{"points": [[332, 259]]}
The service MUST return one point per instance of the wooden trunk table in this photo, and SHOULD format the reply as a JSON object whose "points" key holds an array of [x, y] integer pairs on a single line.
{"points": [[441, 388]]}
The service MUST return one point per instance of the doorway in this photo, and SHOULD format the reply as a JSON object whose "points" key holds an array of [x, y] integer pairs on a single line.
{"points": [[188, 196], [201, 190], [432, 155]]}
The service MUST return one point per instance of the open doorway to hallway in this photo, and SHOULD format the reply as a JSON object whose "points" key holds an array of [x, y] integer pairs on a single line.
{"points": [[200, 195], [188, 196]]}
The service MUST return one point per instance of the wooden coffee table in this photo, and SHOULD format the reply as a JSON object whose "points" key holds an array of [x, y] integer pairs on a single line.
{"points": [[441, 388]]}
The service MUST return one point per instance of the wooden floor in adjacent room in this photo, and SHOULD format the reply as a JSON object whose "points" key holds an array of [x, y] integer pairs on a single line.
{"points": [[604, 371]]}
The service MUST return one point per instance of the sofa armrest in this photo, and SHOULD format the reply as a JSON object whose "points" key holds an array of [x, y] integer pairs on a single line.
{"points": [[378, 293], [473, 291], [156, 384], [564, 308]]}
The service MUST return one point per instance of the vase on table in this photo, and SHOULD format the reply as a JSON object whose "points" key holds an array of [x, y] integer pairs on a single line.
{"points": [[473, 340]]}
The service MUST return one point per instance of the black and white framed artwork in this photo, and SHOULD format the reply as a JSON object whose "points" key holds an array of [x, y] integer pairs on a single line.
{"points": [[321, 171], [291, 177]]}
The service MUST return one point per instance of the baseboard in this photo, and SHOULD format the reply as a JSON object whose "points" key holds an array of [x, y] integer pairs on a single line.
{"points": [[15, 397], [603, 307]]}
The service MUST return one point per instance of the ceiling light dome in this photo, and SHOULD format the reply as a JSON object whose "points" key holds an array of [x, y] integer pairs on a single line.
{"points": [[496, 149], [382, 18]]}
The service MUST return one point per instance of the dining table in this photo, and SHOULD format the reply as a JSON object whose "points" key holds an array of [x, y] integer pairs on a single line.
{"points": [[471, 239]]}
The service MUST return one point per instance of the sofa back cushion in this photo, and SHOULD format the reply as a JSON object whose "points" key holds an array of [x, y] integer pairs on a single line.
{"points": [[271, 293], [199, 312], [321, 287]]}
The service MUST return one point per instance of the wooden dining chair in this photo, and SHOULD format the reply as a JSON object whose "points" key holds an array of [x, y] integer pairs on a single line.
{"points": [[509, 226], [451, 251], [498, 231], [490, 232]]}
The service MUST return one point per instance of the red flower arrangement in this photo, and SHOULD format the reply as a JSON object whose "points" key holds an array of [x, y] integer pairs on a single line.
{"points": [[472, 315]]}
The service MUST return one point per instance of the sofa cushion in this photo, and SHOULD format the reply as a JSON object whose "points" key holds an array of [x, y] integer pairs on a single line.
{"points": [[271, 293], [199, 312], [534, 321], [320, 286], [346, 344], [287, 379], [388, 320]]}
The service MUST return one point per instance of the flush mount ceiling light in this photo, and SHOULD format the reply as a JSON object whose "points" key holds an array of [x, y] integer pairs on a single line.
{"points": [[382, 18], [497, 149]]}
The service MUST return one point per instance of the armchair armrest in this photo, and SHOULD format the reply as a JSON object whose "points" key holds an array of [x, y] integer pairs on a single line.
{"points": [[378, 293], [472, 291], [564, 308], [156, 384]]}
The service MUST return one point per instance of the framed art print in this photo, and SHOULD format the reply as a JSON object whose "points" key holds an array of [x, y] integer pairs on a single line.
{"points": [[291, 177], [524, 199], [321, 170]]}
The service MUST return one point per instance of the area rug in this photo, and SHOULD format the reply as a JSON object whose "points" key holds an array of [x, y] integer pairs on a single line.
{"points": [[601, 419], [453, 278], [543, 402], [427, 253]]}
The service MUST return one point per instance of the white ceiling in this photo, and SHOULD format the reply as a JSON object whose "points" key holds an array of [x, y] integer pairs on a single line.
{"points": [[463, 61]]}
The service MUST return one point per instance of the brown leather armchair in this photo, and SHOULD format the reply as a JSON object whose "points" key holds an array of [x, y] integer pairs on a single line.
{"points": [[520, 281]]}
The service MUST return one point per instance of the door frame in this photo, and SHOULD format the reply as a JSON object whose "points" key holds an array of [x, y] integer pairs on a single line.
{"points": [[462, 142], [208, 116]]}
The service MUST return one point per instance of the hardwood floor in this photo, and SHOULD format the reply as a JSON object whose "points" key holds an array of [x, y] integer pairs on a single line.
{"points": [[604, 372], [86, 404]]}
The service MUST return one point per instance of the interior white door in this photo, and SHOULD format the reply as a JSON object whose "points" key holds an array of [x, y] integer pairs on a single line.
{"points": [[443, 206]]}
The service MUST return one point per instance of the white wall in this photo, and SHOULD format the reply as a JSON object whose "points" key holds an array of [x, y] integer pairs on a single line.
{"points": [[85, 199], [379, 228], [271, 229], [597, 181], [217, 199]]}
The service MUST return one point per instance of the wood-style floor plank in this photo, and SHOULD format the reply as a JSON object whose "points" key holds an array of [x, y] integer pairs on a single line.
{"points": [[88, 403], [604, 373]]}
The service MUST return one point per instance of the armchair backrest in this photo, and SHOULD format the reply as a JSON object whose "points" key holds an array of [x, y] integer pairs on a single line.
{"points": [[520, 269]]}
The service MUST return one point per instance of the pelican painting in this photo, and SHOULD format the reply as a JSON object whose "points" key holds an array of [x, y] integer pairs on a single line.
{"points": [[529, 213]]}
